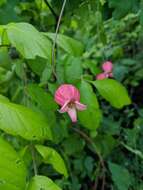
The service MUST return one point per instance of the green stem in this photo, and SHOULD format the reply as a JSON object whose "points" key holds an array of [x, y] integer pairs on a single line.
{"points": [[33, 159], [51, 9], [55, 39]]}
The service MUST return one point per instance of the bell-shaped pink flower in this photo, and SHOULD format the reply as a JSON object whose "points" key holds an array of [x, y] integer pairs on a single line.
{"points": [[107, 66], [107, 71], [68, 97]]}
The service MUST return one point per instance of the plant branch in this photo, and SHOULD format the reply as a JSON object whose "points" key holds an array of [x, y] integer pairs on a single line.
{"points": [[51, 9], [55, 39], [34, 161], [90, 141]]}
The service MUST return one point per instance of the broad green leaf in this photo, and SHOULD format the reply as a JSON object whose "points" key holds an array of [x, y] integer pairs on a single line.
{"points": [[12, 169], [113, 91], [19, 120], [51, 156], [44, 99], [46, 74], [120, 176], [73, 65], [3, 98], [28, 41], [68, 44], [42, 183], [37, 65], [68, 65], [91, 117]]}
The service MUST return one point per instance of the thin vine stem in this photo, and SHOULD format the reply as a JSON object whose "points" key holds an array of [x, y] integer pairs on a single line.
{"points": [[55, 39], [51, 9], [90, 141], [34, 160]]}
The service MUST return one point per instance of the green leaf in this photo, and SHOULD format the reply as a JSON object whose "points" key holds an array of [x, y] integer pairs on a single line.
{"points": [[42, 183], [91, 117], [113, 92], [121, 10], [37, 65], [8, 11], [19, 120], [12, 169], [73, 65], [120, 176], [28, 41], [73, 145], [134, 151], [3, 98], [44, 99], [68, 44], [52, 157], [68, 65], [102, 2]]}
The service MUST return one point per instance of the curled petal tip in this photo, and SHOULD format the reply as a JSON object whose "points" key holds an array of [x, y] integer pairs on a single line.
{"points": [[80, 106]]}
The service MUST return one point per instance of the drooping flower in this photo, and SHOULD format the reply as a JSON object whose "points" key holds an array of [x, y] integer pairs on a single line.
{"points": [[68, 97], [107, 68]]}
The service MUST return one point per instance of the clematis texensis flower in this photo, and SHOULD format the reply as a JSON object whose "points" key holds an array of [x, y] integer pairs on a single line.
{"points": [[107, 68], [68, 97]]}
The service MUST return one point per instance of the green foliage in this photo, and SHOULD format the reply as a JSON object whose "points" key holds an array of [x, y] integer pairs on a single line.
{"points": [[91, 32], [120, 176], [41, 182], [20, 34], [45, 100], [66, 67], [50, 156], [19, 120], [113, 92], [13, 171], [91, 117], [6, 11], [73, 145], [68, 44], [121, 10]]}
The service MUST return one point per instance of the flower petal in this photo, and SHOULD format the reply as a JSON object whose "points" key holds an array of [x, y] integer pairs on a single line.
{"points": [[72, 113], [111, 74], [101, 76], [64, 108], [80, 106], [107, 66], [66, 92]]}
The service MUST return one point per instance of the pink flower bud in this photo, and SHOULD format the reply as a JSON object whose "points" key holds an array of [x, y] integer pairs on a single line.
{"points": [[107, 66], [101, 76], [68, 97]]}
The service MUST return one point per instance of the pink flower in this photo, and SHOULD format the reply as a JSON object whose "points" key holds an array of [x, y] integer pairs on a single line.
{"points": [[68, 97], [107, 68], [101, 76]]}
